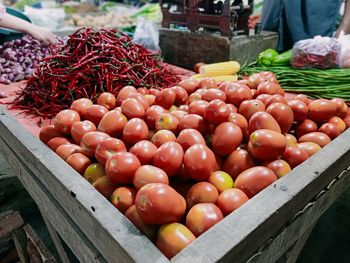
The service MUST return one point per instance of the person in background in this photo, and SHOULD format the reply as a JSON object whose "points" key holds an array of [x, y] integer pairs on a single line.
{"points": [[11, 22], [295, 20]]}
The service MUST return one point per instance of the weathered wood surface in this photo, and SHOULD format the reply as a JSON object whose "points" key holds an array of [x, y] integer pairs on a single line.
{"points": [[9, 221]]}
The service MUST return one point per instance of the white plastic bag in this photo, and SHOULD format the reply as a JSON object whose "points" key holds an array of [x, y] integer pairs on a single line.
{"points": [[344, 56], [147, 35], [50, 18]]}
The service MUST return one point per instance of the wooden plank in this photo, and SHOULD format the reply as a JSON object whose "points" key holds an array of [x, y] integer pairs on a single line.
{"points": [[9, 221], [20, 240], [112, 234], [241, 234], [68, 230]]}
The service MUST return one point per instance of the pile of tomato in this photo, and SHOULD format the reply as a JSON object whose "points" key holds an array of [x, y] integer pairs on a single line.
{"points": [[177, 161]]}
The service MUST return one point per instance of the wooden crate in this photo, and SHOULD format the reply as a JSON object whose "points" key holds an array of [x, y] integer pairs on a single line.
{"points": [[262, 230]]}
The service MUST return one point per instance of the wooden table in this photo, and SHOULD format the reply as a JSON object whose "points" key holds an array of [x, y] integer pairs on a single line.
{"points": [[274, 223]]}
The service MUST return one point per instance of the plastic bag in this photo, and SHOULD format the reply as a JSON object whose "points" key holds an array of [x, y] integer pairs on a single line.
{"points": [[50, 18], [318, 52], [344, 56], [147, 35]]}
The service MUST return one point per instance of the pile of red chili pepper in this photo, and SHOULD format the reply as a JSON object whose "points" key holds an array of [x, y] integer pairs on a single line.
{"points": [[91, 62]]}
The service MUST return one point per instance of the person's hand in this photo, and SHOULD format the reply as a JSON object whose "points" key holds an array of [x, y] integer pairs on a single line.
{"points": [[42, 34]]}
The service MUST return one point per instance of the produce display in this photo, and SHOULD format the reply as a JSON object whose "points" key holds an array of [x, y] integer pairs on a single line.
{"points": [[109, 19], [91, 62], [176, 161]]}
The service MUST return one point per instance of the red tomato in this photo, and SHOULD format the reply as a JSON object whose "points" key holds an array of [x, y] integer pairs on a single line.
{"points": [[80, 128], [249, 107], [237, 93], [283, 114], [237, 162], [135, 130], [167, 121], [179, 114], [199, 162], [64, 120], [48, 132], [264, 98], [141, 99], [305, 127], [153, 91], [263, 120], [200, 91], [321, 110], [190, 85], [95, 113], [150, 99], [166, 98], [266, 145], [152, 114], [80, 106], [132, 108], [295, 156], [276, 99], [147, 174], [193, 121], [239, 120], [54, 143], [202, 192], [317, 137], [197, 107], [212, 94], [181, 95], [291, 140], [347, 122], [202, 217], [142, 91], [231, 199], [338, 122], [221, 180], [342, 108], [303, 98], [330, 129], [104, 186], [78, 162], [107, 148], [90, 140], [159, 204], [279, 167], [108, 100], [310, 147], [66, 150], [189, 137], [197, 67], [121, 167], [255, 179], [208, 83], [194, 97], [226, 138], [172, 238], [94, 172], [124, 93], [144, 150], [123, 198], [163, 136], [254, 80], [169, 158], [232, 108], [216, 112], [113, 123], [299, 108], [271, 88]]}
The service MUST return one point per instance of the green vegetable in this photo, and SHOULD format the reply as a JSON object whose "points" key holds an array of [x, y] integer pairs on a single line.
{"points": [[266, 57], [282, 59]]}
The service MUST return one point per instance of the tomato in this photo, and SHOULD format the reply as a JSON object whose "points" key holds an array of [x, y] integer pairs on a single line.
{"points": [[305, 127], [249, 107], [232, 108], [123, 198], [254, 180], [198, 107], [342, 108], [78, 162], [183, 108], [347, 122], [271, 88], [239, 120], [121, 167], [152, 114], [330, 129], [108, 100], [199, 162], [216, 112], [197, 67], [150, 99], [64, 120], [48, 132], [124, 93], [202, 192], [291, 140], [80, 128], [94, 172], [104, 186], [167, 121], [194, 97], [153, 91], [299, 108], [200, 91], [283, 114], [95, 113], [135, 130], [321, 110], [132, 108], [149, 174], [141, 99], [254, 80], [263, 120], [80, 106], [142, 91], [163, 136], [231, 199], [66, 150], [303, 98], [310, 147], [202, 217], [237, 162], [208, 83], [317, 137], [221, 180], [193, 121], [338, 122], [90, 140], [279, 167], [113, 123], [148, 230], [237, 93], [181, 95], [179, 114], [172, 238], [266, 145], [190, 85], [107, 148], [189, 137], [295, 156], [166, 98], [56, 142], [264, 98], [159, 204], [169, 157], [276, 99], [212, 94], [144, 150], [226, 138]]}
